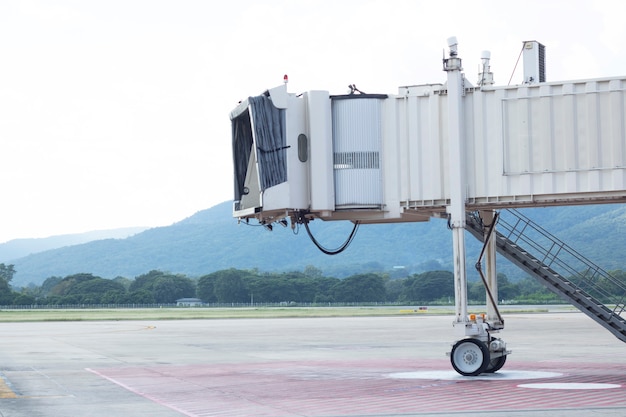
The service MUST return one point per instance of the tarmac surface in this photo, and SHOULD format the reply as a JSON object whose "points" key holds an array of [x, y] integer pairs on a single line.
{"points": [[562, 364]]}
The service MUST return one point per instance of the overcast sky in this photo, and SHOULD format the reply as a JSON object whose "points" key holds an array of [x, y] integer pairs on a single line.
{"points": [[115, 113]]}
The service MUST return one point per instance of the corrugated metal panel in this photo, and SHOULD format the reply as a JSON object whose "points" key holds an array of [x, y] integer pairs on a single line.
{"points": [[564, 128], [551, 142], [558, 140], [356, 151], [427, 145]]}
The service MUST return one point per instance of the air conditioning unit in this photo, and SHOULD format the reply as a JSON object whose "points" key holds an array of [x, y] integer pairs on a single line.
{"points": [[534, 62]]}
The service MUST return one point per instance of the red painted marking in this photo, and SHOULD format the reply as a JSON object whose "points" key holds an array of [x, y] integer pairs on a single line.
{"points": [[358, 387]]}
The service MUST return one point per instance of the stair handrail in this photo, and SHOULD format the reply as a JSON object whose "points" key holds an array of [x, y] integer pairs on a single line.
{"points": [[517, 231]]}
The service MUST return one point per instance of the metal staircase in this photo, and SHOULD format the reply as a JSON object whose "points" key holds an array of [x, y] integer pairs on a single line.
{"points": [[563, 270]]}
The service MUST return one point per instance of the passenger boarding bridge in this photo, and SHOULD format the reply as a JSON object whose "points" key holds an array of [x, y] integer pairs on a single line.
{"points": [[456, 151]]}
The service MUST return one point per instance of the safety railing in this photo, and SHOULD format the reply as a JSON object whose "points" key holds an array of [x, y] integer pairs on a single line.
{"points": [[573, 268]]}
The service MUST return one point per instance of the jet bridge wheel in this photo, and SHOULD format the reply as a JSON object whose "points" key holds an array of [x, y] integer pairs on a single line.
{"points": [[470, 357], [495, 364]]}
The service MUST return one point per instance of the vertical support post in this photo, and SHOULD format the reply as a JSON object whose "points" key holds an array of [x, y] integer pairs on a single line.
{"points": [[456, 209], [490, 266], [460, 275]]}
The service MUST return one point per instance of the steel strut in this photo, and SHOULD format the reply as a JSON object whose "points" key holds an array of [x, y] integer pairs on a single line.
{"points": [[479, 268]]}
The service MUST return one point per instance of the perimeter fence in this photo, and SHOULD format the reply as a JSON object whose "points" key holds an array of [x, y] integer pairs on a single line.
{"points": [[202, 305]]}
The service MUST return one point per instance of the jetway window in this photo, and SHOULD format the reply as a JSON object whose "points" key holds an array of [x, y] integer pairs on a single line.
{"points": [[303, 148]]}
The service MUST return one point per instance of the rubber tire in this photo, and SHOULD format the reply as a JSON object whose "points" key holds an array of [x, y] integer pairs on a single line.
{"points": [[496, 364], [470, 357]]}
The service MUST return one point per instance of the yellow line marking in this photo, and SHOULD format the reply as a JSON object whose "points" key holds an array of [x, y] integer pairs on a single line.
{"points": [[5, 391]]}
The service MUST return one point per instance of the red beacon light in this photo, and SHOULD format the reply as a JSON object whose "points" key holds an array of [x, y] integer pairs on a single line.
{"points": [[285, 79]]}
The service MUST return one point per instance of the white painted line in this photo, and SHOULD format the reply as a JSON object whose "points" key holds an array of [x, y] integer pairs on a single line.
{"points": [[570, 385], [452, 375]]}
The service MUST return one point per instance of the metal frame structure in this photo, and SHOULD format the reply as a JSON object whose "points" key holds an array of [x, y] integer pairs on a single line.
{"points": [[438, 151]]}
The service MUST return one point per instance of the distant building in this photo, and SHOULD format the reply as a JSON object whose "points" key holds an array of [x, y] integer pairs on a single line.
{"points": [[189, 302]]}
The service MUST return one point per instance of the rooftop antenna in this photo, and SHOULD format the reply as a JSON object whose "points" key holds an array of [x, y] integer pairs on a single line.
{"points": [[453, 62], [485, 76]]}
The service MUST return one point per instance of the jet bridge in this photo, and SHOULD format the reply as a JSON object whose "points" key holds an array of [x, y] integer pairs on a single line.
{"points": [[434, 150]]}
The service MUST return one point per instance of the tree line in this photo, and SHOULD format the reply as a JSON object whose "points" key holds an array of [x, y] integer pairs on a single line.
{"points": [[251, 286]]}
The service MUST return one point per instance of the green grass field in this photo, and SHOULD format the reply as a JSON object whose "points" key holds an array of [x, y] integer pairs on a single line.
{"points": [[215, 313], [196, 313]]}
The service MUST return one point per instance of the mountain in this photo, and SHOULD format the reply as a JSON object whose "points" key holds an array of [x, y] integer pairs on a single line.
{"points": [[212, 240], [18, 248]]}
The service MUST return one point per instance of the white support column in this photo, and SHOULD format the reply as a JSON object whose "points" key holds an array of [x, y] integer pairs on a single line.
{"points": [[456, 209], [460, 275]]}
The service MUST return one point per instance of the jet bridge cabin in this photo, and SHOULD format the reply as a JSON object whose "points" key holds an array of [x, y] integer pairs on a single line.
{"points": [[386, 158], [315, 154]]}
